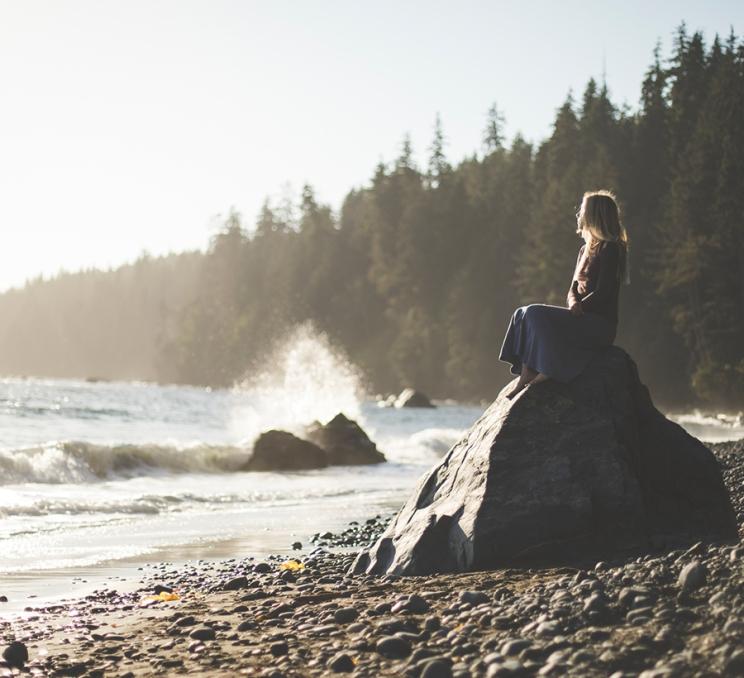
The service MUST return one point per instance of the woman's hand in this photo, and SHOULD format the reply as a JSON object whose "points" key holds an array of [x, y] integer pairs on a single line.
{"points": [[576, 308]]}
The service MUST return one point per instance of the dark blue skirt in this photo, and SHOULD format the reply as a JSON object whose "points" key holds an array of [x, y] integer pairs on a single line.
{"points": [[550, 340]]}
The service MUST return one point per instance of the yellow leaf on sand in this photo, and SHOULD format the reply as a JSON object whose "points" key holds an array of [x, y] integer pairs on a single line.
{"points": [[163, 596], [292, 566]]}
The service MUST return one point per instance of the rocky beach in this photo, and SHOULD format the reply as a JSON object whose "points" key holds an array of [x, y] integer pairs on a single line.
{"points": [[673, 611]]}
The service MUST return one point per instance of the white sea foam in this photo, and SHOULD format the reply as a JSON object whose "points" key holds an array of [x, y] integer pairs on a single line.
{"points": [[437, 440]]}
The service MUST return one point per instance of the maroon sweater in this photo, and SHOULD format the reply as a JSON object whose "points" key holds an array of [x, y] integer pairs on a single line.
{"points": [[596, 280]]}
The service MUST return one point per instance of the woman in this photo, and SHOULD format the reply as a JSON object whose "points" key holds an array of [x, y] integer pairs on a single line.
{"points": [[550, 342]]}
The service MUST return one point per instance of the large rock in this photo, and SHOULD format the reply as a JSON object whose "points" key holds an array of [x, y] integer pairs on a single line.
{"points": [[344, 442], [561, 470], [411, 398], [282, 451]]}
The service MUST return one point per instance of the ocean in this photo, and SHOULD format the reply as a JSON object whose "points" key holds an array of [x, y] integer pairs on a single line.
{"points": [[98, 478]]}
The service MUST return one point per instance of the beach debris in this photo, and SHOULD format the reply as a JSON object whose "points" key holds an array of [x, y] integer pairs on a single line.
{"points": [[292, 565], [162, 597]]}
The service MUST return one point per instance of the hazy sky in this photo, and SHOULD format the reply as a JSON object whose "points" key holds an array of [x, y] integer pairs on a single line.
{"points": [[128, 125]]}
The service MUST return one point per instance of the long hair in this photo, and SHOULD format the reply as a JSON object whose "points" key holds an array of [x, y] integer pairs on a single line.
{"points": [[599, 218]]}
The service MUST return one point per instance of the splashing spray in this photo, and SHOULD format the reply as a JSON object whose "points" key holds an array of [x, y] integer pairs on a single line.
{"points": [[305, 378]]}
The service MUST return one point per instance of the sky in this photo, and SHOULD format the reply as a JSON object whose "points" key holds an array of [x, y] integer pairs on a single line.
{"points": [[136, 125]]}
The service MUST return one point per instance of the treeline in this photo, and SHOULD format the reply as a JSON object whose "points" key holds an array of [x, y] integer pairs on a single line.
{"points": [[418, 273], [97, 324]]}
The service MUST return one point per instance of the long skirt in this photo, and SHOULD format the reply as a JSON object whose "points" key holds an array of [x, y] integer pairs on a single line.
{"points": [[553, 341]]}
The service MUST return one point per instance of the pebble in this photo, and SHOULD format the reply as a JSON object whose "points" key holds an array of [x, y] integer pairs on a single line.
{"points": [[279, 648], [436, 668], [341, 663], [345, 615], [235, 584], [202, 633], [512, 647], [16, 654], [393, 647], [511, 667], [413, 603], [692, 576], [734, 665], [474, 597]]}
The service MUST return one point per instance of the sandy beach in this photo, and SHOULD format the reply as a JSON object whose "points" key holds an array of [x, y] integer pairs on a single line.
{"points": [[675, 612]]}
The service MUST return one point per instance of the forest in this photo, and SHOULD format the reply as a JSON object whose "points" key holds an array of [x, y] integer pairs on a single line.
{"points": [[416, 275]]}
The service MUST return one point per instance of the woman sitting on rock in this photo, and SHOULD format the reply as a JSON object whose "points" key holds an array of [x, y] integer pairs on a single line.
{"points": [[550, 342]]}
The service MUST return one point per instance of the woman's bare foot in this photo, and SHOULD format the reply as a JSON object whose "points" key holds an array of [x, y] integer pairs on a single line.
{"points": [[526, 377]]}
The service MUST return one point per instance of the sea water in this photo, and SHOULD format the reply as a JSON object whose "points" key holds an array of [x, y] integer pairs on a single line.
{"points": [[98, 478]]}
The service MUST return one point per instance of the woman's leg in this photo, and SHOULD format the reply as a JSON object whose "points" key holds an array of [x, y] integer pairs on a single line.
{"points": [[538, 379]]}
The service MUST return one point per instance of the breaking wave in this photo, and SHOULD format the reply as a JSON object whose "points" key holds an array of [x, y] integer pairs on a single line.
{"points": [[83, 462]]}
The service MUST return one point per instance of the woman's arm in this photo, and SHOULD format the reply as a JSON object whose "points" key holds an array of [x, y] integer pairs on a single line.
{"points": [[607, 280], [572, 298]]}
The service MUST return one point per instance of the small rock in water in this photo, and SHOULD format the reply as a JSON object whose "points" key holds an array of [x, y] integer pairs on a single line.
{"points": [[411, 398], [16, 654], [297, 546], [692, 576]]}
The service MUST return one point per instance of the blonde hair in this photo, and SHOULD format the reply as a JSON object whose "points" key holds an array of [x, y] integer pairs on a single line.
{"points": [[599, 218]]}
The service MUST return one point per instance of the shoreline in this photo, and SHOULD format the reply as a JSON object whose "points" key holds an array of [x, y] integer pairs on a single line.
{"points": [[669, 613]]}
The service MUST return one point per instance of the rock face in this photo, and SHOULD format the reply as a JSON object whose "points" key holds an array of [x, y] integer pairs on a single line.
{"points": [[410, 398], [282, 451], [344, 442], [561, 469]]}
